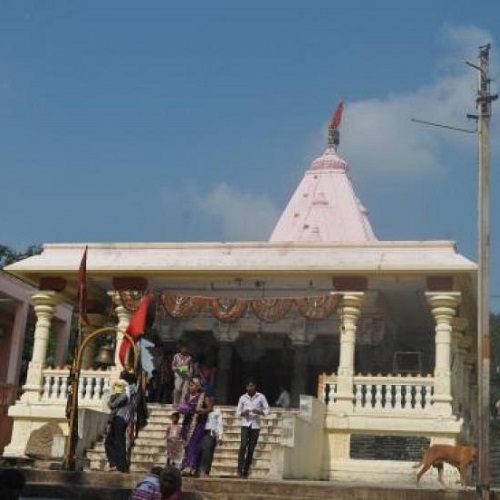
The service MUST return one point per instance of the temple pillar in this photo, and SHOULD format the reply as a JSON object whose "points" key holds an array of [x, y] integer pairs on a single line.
{"points": [[123, 315], [444, 307], [226, 334], [44, 306], [225, 357], [349, 312], [300, 372]]}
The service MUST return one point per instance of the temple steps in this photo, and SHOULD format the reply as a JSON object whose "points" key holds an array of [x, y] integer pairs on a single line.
{"points": [[150, 446]]}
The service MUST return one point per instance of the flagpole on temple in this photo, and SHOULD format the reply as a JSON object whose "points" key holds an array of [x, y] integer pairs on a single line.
{"points": [[74, 375]]}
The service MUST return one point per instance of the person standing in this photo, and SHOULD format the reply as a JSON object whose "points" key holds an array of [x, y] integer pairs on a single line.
{"points": [[122, 411], [182, 366], [195, 407], [212, 437], [284, 399], [175, 445], [251, 406]]}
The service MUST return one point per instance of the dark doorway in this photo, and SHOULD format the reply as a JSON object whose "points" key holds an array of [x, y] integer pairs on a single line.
{"points": [[269, 361]]}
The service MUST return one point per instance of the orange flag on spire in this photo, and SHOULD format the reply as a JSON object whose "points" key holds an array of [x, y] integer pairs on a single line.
{"points": [[136, 326], [337, 116]]}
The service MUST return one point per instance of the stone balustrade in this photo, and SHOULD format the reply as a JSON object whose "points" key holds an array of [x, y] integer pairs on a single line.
{"points": [[391, 393], [93, 386]]}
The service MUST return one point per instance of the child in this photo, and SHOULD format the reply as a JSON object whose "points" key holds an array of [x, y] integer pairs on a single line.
{"points": [[175, 445]]}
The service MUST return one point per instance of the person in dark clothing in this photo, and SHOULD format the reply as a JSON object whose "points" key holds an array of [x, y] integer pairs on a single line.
{"points": [[122, 404], [212, 437]]}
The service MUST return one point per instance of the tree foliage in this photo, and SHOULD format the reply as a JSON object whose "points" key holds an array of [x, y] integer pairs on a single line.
{"points": [[8, 255]]}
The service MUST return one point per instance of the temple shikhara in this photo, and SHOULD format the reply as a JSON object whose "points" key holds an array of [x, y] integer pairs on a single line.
{"points": [[374, 339]]}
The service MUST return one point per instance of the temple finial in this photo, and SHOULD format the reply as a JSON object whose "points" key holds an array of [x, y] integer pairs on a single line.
{"points": [[333, 129]]}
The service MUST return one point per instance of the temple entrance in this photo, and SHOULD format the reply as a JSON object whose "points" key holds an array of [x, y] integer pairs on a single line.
{"points": [[268, 359]]}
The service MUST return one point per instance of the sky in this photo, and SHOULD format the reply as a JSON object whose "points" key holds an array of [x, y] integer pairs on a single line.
{"points": [[195, 121]]}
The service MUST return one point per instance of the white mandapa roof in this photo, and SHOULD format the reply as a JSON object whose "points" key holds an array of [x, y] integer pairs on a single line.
{"points": [[247, 257]]}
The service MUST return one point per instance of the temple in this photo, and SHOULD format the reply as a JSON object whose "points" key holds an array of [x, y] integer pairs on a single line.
{"points": [[374, 339]]}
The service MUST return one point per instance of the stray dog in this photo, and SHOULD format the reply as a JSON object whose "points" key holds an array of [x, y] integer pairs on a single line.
{"points": [[458, 456]]}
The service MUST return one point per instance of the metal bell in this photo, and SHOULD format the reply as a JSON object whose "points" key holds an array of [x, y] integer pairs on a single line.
{"points": [[105, 356]]}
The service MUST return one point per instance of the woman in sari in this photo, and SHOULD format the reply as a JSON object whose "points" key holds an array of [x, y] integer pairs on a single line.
{"points": [[195, 407]]}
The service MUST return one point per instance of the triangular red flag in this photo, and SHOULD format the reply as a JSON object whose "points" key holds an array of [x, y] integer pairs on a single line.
{"points": [[136, 326], [82, 288], [337, 116]]}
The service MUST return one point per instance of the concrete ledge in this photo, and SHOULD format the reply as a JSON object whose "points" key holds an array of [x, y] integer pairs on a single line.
{"points": [[117, 486]]}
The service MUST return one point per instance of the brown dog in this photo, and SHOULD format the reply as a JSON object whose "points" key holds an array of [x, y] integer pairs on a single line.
{"points": [[458, 456]]}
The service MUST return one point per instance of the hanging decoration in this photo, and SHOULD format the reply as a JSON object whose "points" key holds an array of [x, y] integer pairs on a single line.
{"points": [[230, 310], [271, 310], [317, 308], [182, 307]]}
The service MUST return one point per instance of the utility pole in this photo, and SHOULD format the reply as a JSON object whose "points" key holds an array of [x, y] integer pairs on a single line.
{"points": [[483, 105]]}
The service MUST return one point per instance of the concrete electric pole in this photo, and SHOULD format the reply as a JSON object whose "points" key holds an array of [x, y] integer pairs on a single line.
{"points": [[483, 104]]}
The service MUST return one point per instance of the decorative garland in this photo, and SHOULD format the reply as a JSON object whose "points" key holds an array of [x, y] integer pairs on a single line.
{"points": [[182, 307], [230, 310], [317, 308], [271, 310]]}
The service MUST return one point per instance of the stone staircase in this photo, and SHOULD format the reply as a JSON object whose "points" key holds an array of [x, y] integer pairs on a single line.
{"points": [[150, 446]]}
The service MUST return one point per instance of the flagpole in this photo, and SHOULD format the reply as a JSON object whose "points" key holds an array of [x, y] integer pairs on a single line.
{"points": [[74, 375]]}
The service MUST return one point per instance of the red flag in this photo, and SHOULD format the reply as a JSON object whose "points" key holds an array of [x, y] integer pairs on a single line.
{"points": [[82, 288], [136, 326], [337, 116]]}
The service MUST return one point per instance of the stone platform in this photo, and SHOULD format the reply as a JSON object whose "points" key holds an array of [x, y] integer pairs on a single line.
{"points": [[117, 486]]}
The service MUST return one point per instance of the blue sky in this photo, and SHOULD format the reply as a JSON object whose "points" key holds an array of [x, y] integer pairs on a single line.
{"points": [[146, 121]]}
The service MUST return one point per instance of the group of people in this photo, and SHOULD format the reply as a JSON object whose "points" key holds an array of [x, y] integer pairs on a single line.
{"points": [[196, 426], [169, 380], [191, 444]]}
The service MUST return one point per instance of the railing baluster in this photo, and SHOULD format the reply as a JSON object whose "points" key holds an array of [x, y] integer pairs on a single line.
{"points": [[46, 387], [408, 403], [359, 395], [398, 397], [378, 396]]}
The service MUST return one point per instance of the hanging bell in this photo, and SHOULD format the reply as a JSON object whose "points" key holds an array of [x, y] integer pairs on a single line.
{"points": [[105, 356]]}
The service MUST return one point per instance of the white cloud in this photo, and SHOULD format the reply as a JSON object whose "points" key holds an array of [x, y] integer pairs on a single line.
{"points": [[378, 136], [244, 216]]}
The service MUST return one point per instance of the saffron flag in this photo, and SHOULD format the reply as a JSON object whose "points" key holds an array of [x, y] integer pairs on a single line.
{"points": [[82, 288], [136, 326], [337, 116]]}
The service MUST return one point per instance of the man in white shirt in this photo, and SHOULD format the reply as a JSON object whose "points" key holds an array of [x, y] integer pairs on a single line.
{"points": [[212, 437], [251, 406]]}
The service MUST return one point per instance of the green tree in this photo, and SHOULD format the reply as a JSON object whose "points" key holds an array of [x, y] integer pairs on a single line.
{"points": [[8, 255]]}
